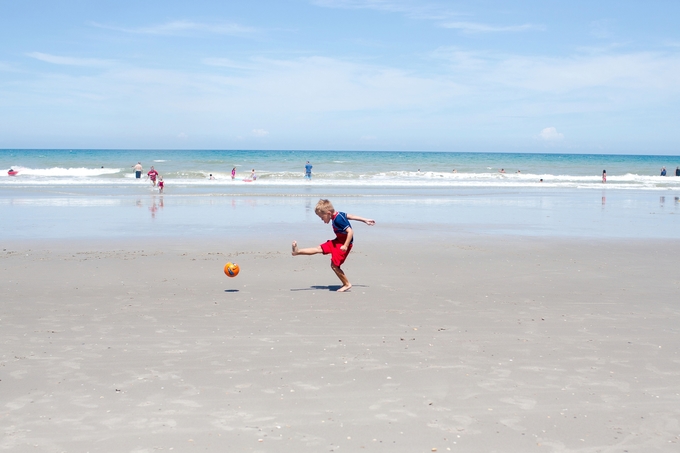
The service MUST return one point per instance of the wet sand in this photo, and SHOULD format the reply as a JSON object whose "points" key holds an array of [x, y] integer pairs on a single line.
{"points": [[489, 344]]}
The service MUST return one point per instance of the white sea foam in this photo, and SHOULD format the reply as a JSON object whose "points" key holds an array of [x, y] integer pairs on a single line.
{"points": [[66, 172], [58, 176]]}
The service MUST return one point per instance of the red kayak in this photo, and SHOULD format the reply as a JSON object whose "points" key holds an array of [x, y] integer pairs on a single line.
{"points": [[12, 173]]}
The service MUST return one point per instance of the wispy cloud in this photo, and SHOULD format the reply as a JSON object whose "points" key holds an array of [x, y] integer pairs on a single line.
{"points": [[70, 61], [185, 27], [475, 27], [416, 10], [550, 134], [614, 71], [601, 28], [427, 11], [6, 67], [226, 63], [336, 98]]}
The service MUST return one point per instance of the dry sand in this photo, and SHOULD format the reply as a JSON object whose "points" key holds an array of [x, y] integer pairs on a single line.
{"points": [[454, 344]]}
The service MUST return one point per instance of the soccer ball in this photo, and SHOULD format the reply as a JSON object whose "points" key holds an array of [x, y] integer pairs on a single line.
{"points": [[231, 269]]}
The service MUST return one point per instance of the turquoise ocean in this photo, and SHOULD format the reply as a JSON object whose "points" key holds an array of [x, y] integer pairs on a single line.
{"points": [[80, 194], [188, 171]]}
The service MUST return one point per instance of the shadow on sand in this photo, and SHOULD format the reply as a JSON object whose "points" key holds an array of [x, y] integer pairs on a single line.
{"points": [[327, 288], [231, 290]]}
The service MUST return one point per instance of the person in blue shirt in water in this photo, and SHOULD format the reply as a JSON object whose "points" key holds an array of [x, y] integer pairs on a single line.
{"points": [[308, 170]]}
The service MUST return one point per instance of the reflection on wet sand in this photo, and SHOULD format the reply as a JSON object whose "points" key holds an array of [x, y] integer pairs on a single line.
{"points": [[155, 206]]}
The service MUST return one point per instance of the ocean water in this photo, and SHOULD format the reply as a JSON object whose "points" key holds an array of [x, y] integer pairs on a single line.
{"points": [[188, 171], [94, 194]]}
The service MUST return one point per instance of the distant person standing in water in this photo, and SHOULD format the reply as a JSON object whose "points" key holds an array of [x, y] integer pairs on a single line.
{"points": [[308, 170], [663, 171], [604, 176], [152, 175], [161, 184], [138, 170], [233, 173], [677, 171]]}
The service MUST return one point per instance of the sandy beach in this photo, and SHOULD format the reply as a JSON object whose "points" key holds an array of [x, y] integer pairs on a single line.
{"points": [[445, 343]]}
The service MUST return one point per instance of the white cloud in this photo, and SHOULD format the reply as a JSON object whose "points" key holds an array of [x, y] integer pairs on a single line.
{"points": [[474, 27], [70, 61], [335, 99], [412, 9], [6, 67], [636, 72], [550, 134], [183, 27], [601, 29], [226, 63]]}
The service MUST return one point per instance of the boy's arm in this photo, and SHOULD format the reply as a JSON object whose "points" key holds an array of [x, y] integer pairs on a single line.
{"points": [[348, 241], [361, 219]]}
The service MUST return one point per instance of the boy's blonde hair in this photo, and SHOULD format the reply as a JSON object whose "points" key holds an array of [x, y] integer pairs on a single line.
{"points": [[324, 206]]}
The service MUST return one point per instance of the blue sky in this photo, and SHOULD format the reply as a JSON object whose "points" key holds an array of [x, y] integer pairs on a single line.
{"points": [[535, 76]]}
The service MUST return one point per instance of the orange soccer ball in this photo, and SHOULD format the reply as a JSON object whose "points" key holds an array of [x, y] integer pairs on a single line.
{"points": [[231, 269]]}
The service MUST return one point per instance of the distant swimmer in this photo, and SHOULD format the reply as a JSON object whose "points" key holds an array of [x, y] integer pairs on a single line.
{"points": [[12, 172], [663, 171], [211, 176], [604, 176], [455, 171], [233, 173], [138, 170], [502, 170], [540, 180], [677, 171], [518, 171], [308, 170]]}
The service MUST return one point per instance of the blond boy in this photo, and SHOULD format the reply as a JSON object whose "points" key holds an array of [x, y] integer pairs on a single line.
{"points": [[339, 247]]}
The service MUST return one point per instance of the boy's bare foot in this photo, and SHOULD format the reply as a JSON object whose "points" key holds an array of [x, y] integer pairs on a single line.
{"points": [[345, 288], [295, 248]]}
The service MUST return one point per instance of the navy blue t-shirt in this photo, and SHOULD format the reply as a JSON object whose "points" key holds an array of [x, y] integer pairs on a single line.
{"points": [[340, 224]]}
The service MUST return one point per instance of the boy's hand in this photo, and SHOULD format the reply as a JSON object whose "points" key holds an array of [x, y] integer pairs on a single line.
{"points": [[370, 222], [343, 247]]}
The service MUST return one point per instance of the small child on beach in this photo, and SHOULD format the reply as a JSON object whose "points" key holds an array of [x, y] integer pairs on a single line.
{"points": [[339, 247], [161, 184]]}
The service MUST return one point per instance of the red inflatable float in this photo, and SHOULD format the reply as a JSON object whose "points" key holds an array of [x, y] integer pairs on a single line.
{"points": [[12, 172]]}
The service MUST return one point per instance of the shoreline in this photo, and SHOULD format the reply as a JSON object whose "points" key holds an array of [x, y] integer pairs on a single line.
{"points": [[549, 213]]}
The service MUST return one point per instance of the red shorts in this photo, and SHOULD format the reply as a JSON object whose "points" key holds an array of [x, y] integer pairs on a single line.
{"points": [[338, 256]]}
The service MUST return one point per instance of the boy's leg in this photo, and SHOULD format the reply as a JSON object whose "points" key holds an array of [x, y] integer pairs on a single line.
{"points": [[343, 278], [307, 251]]}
